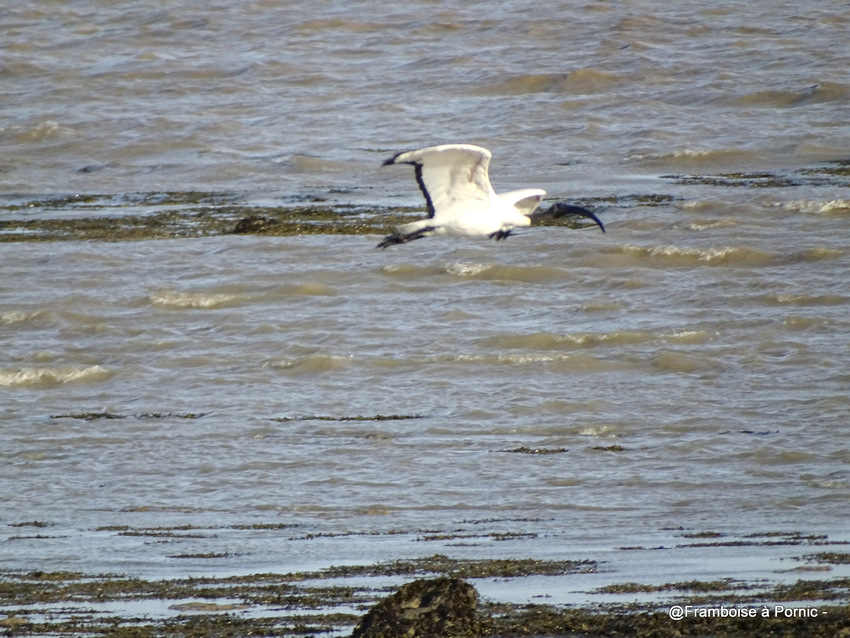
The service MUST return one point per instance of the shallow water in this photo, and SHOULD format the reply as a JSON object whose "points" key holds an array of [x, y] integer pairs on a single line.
{"points": [[298, 100], [561, 394]]}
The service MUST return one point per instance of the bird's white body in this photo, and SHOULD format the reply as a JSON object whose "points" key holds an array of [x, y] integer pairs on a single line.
{"points": [[461, 201], [482, 218]]}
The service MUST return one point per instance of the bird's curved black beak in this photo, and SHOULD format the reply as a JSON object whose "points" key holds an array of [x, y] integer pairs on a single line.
{"points": [[560, 209]]}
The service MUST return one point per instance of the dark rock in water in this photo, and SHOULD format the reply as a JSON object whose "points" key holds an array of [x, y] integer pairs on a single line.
{"points": [[441, 607], [253, 224]]}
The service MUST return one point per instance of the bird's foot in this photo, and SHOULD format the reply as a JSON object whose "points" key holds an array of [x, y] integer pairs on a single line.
{"points": [[499, 234], [398, 238], [390, 240]]}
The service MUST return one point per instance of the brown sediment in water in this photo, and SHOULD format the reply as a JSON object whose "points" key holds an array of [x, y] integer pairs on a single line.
{"points": [[164, 215], [830, 174], [106, 223], [172, 215], [186, 223], [295, 604]]}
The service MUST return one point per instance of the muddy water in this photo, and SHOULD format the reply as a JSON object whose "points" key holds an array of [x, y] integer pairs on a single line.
{"points": [[233, 404]]}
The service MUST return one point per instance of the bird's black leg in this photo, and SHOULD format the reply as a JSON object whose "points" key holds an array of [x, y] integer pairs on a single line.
{"points": [[398, 238], [500, 234]]}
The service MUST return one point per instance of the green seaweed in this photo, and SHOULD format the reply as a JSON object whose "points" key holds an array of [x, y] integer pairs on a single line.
{"points": [[835, 173], [186, 214], [183, 215], [95, 416], [377, 417], [829, 558], [537, 450]]}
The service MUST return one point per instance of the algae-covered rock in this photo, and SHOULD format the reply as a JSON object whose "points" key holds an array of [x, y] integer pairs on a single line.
{"points": [[428, 608]]}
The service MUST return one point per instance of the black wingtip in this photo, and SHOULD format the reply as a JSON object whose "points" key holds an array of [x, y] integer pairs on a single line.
{"points": [[392, 160]]}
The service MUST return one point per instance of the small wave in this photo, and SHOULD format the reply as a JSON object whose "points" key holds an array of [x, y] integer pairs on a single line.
{"points": [[332, 24], [698, 153], [565, 361], [697, 157], [681, 256], [709, 224], [467, 270], [310, 365], [792, 299], [805, 323], [189, 299], [826, 483], [409, 271], [822, 93], [478, 270], [601, 305], [578, 82], [312, 289], [502, 358], [831, 92], [588, 81], [45, 130], [820, 253], [770, 456], [669, 361], [503, 272], [600, 431], [773, 98], [688, 336], [562, 363], [51, 376], [550, 341], [16, 316], [834, 207]]}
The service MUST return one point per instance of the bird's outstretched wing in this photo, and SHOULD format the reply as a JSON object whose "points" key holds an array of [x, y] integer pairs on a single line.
{"points": [[449, 175], [525, 200]]}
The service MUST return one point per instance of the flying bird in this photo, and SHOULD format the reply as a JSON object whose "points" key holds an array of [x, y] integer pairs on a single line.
{"points": [[461, 202]]}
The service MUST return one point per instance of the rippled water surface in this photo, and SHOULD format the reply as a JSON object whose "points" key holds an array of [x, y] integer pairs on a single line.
{"points": [[309, 400]]}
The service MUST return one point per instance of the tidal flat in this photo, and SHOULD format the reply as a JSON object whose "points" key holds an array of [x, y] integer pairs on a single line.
{"points": [[331, 601]]}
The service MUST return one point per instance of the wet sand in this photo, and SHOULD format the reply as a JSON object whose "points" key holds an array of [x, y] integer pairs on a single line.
{"points": [[331, 601]]}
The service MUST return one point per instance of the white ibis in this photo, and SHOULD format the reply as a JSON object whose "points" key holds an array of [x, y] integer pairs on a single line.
{"points": [[461, 202]]}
